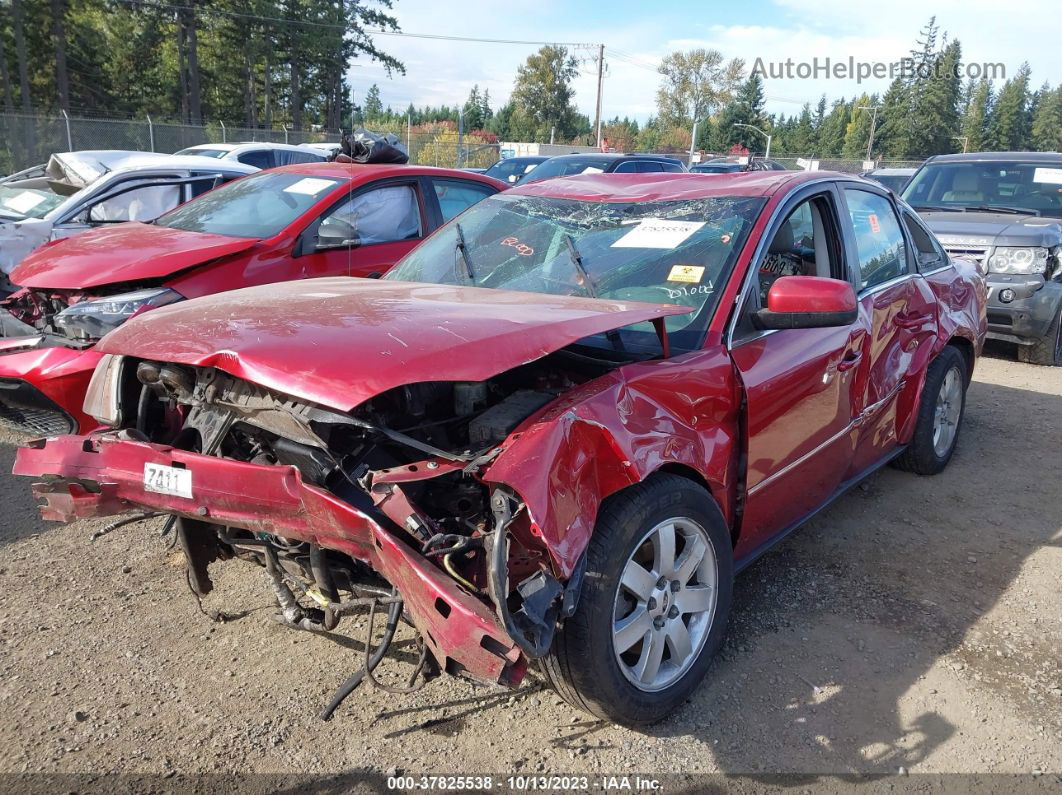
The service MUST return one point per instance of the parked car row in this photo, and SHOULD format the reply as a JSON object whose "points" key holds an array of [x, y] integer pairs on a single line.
{"points": [[551, 434]]}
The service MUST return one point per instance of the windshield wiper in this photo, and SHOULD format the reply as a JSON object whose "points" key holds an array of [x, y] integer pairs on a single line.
{"points": [[462, 249], [1000, 208], [577, 261]]}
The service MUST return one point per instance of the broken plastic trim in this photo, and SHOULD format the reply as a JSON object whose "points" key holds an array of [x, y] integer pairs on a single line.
{"points": [[545, 600]]}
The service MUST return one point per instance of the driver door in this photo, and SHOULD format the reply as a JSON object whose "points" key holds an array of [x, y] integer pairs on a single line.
{"points": [[367, 232], [798, 382]]}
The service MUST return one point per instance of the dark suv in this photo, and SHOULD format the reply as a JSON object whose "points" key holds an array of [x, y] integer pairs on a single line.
{"points": [[598, 163], [1004, 210]]}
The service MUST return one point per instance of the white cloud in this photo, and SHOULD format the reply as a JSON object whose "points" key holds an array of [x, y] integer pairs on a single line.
{"points": [[443, 72]]}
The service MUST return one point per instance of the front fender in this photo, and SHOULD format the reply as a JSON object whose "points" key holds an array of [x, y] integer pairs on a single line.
{"points": [[614, 432]]}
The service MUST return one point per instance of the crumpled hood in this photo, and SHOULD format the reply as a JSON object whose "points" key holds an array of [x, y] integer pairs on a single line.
{"points": [[19, 238], [340, 341], [996, 229], [128, 252]]}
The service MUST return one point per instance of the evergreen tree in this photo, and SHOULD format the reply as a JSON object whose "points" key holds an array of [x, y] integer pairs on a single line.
{"points": [[857, 133], [372, 107], [1007, 125], [1047, 121], [975, 120], [832, 130]]}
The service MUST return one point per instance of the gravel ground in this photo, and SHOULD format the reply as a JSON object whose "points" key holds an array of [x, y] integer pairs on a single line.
{"points": [[915, 624]]}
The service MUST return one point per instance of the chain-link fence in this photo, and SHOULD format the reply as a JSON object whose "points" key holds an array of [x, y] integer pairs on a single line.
{"points": [[27, 140], [844, 165]]}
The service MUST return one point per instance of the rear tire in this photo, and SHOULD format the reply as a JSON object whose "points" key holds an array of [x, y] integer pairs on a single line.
{"points": [[1046, 351], [646, 599], [940, 413]]}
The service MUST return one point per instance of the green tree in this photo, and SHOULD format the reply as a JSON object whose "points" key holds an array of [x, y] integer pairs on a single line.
{"points": [[857, 134], [975, 120], [475, 111], [695, 85], [372, 107], [543, 94], [1046, 130], [1007, 126], [747, 107], [833, 128]]}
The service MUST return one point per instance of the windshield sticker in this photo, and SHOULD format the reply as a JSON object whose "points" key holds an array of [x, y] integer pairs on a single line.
{"points": [[24, 202], [658, 233], [689, 274], [522, 249], [1052, 176], [875, 225], [309, 186]]}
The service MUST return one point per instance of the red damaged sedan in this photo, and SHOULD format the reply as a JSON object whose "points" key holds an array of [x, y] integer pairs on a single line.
{"points": [[296, 222], [555, 431]]}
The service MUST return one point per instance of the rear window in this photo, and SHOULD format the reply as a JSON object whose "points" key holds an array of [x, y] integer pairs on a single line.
{"points": [[566, 167]]}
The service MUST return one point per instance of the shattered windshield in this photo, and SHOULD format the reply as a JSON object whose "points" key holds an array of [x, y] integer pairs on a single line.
{"points": [[667, 252]]}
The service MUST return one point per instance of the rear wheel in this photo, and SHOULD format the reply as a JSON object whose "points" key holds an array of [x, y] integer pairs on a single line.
{"points": [[654, 604], [1048, 349], [940, 414]]}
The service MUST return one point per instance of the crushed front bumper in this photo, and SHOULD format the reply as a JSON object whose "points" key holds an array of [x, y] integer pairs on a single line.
{"points": [[1032, 306], [42, 389], [103, 475]]}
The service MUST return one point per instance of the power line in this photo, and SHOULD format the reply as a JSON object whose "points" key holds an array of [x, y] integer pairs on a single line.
{"points": [[334, 26]]}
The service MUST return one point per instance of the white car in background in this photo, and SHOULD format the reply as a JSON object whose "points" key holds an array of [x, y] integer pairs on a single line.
{"points": [[326, 148], [77, 191], [259, 155]]}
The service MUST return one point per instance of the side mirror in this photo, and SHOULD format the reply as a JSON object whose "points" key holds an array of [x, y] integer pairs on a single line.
{"points": [[808, 302]]}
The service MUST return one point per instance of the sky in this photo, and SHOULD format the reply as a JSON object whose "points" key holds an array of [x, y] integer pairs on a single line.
{"points": [[637, 35]]}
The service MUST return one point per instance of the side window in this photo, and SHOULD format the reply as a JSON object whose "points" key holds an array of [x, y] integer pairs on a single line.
{"points": [[649, 167], [141, 204], [804, 244], [626, 167], [879, 241], [456, 197], [208, 183], [259, 158], [929, 254], [798, 248], [673, 168], [379, 215]]}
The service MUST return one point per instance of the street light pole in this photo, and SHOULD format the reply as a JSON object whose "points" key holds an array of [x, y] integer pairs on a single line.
{"points": [[767, 151]]}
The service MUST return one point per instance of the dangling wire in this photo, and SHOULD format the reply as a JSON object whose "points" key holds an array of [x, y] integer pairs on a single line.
{"points": [[412, 686]]}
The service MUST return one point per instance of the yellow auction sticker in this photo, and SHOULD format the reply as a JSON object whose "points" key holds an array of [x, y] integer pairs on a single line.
{"points": [[688, 274]]}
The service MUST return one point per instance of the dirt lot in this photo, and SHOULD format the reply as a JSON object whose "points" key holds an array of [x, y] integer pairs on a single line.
{"points": [[917, 624]]}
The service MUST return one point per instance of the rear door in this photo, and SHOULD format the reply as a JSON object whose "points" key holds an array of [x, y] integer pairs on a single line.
{"points": [[798, 382], [897, 315], [368, 231]]}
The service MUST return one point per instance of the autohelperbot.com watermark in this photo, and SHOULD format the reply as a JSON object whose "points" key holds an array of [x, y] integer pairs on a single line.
{"points": [[849, 68]]}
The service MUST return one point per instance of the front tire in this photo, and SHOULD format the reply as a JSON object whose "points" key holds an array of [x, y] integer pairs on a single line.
{"points": [[940, 413], [1046, 351], [654, 604]]}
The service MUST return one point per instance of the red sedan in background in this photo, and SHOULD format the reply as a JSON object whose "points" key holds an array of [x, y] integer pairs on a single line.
{"points": [[556, 429], [296, 222]]}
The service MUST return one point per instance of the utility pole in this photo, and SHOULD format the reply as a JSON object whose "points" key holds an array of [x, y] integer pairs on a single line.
{"points": [[460, 132], [600, 86], [965, 141], [873, 125]]}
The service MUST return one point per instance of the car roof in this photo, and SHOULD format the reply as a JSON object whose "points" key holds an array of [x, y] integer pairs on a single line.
{"points": [[368, 171], [234, 145], [999, 157], [664, 186], [611, 157], [112, 160]]}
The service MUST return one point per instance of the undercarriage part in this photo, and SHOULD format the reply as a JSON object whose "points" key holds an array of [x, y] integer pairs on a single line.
{"points": [[394, 613], [110, 528], [200, 546]]}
